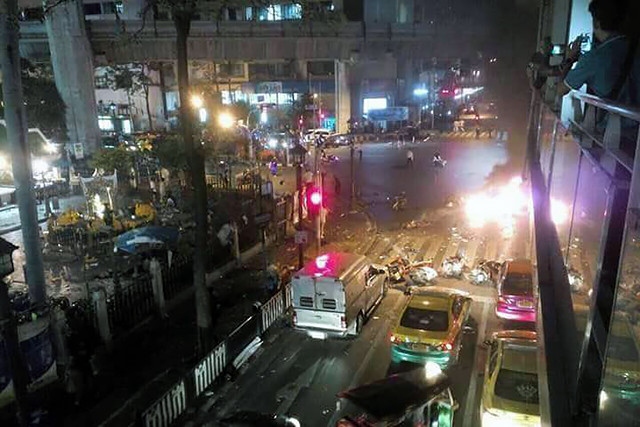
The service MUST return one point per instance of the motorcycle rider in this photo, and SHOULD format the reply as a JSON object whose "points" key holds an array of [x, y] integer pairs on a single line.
{"points": [[437, 158]]}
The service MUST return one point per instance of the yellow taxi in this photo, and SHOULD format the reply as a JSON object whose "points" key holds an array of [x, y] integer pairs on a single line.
{"points": [[430, 328], [510, 389]]}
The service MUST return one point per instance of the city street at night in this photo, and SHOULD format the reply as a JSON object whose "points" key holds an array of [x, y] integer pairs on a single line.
{"points": [[299, 376]]}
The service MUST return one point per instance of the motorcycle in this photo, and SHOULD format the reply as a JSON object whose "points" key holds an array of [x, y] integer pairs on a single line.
{"points": [[486, 272], [398, 202], [331, 158], [439, 162], [452, 267]]}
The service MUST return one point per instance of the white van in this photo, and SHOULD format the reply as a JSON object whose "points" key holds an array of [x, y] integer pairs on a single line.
{"points": [[335, 293]]}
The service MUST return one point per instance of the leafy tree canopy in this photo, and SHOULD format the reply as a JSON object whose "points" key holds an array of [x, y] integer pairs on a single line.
{"points": [[45, 108], [118, 158]]}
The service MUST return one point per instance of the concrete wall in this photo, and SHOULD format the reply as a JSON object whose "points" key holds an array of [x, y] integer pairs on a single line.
{"points": [[72, 60]]}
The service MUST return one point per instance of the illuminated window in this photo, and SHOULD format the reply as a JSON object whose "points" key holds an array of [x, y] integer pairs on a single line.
{"points": [[373, 104], [105, 124], [126, 126]]}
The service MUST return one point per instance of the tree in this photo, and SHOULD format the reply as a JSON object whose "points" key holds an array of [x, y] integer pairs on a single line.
{"points": [[182, 13], [16, 120], [44, 106], [109, 160], [134, 79]]}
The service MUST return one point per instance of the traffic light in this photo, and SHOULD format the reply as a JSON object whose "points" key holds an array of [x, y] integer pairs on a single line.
{"points": [[314, 201]]}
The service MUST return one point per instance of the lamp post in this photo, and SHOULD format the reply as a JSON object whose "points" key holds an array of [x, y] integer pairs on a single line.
{"points": [[298, 153], [9, 330]]}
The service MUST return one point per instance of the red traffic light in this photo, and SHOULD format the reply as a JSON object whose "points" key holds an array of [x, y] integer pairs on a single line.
{"points": [[315, 197]]}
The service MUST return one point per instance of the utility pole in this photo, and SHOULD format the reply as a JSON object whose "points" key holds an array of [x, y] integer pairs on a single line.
{"points": [[9, 330], [352, 200], [16, 120], [299, 225], [319, 218]]}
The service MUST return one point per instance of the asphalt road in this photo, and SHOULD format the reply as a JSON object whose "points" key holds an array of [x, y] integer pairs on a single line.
{"points": [[296, 375]]}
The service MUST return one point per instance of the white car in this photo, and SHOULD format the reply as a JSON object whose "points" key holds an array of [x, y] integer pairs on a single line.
{"points": [[313, 134]]}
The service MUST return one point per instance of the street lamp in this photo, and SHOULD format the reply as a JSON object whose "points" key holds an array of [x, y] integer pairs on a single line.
{"points": [[196, 101], [226, 120]]}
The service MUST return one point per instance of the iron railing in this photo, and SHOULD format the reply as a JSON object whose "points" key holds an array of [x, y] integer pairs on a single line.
{"points": [[223, 360]]}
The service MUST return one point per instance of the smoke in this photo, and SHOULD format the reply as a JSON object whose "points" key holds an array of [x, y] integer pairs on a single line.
{"points": [[515, 42]]}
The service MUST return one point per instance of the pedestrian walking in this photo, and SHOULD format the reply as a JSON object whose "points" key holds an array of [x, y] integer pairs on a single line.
{"points": [[477, 133], [360, 154], [409, 158], [336, 185]]}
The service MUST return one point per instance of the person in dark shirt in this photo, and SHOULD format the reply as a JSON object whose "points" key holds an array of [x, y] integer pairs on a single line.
{"points": [[604, 68], [601, 67]]}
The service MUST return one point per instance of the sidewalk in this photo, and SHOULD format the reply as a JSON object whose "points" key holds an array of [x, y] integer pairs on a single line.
{"points": [[160, 350], [10, 216]]}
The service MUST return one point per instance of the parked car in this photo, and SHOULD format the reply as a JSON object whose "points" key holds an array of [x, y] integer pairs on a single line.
{"points": [[430, 328], [312, 134], [334, 294], [516, 296], [510, 388]]}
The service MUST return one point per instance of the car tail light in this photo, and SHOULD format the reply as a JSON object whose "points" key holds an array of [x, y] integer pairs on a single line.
{"points": [[503, 300], [294, 318], [445, 347], [393, 338], [343, 322]]}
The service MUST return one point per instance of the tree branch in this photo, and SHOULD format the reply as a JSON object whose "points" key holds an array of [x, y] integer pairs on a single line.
{"points": [[49, 5]]}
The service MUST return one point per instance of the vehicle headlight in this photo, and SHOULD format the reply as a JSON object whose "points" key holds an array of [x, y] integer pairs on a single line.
{"points": [[272, 142]]}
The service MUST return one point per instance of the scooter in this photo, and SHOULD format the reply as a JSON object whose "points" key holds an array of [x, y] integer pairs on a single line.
{"points": [[331, 158], [399, 202], [439, 162]]}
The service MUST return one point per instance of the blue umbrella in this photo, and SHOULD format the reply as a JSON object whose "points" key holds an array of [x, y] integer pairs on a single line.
{"points": [[147, 238]]}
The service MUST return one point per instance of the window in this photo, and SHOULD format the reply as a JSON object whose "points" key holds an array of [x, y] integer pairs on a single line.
{"points": [[109, 8], [231, 69], [321, 68], [329, 304], [102, 82], [456, 308], [517, 284], [92, 9], [105, 124], [517, 386], [291, 11], [493, 357], [426, 320]]}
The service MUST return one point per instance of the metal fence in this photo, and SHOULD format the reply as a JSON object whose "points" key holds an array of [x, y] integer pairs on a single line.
{"points": [[128, 306], [178, 277], [226, 356]]}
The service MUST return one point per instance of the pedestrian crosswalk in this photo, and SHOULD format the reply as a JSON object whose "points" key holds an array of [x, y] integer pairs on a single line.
{"points": [[471, 134], [438, 247]]}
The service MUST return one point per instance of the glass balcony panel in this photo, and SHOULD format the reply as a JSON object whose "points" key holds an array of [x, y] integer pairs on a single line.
{"points": [[581, 242], [563, 184], [620, 395], [546, 136]]}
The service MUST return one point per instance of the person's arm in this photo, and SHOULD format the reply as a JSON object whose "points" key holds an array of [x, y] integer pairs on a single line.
{"points": [[578, 76]]}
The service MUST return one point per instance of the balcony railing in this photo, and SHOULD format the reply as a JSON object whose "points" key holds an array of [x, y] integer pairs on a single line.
{"points": [[588, 264]]}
